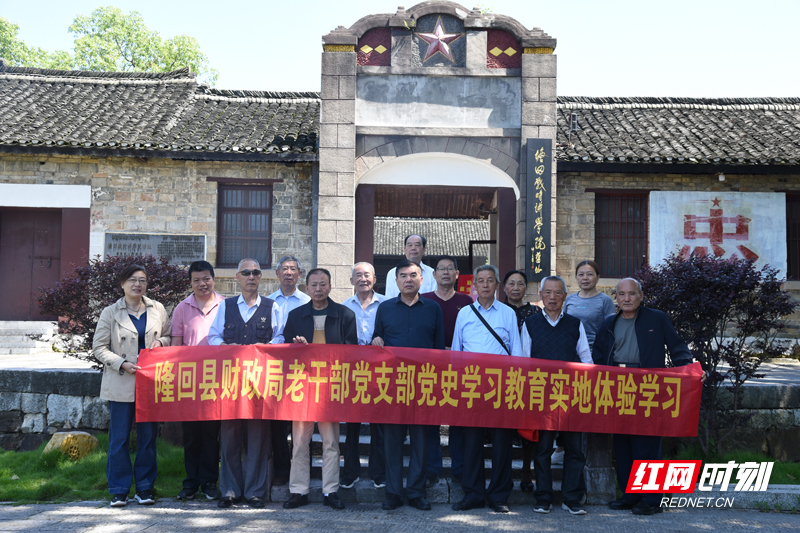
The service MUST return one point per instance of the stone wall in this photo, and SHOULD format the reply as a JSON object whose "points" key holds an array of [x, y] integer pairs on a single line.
{"points": [[159, 195], [34, 404]]}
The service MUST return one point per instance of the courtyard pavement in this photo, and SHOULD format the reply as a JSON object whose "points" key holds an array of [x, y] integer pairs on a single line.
{"points": [[173, 516]]}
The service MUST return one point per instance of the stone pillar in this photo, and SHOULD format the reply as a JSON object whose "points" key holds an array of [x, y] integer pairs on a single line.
{"points": [[337, 141]]}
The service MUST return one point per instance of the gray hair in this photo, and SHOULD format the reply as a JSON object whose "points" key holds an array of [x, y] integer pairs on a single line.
{"points": [[554, 278], [353, 269], [483, 268], [286, 258], [636, 281], [248, 260]]}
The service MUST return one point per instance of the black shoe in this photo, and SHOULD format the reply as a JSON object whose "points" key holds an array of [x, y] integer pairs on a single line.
{"points": [[644, 508], [295, 501], [392, 502], [466, 505], [621, 504], [119, 500], [332, 500], [573, 508], [211, 491], [145, 497], [226, 502], [526, 486], [256, 503], [347, 482], [419, 503], [457, 478], [431, 479], [187, 494], [281, 479], [498, 507]]}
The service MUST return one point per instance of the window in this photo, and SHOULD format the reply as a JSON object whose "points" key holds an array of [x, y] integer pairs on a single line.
{"points": [[620, 225], [244, 224], [793, 235]]}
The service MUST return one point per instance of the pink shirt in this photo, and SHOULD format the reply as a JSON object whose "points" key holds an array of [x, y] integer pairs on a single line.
{"points": [[189, 322]]}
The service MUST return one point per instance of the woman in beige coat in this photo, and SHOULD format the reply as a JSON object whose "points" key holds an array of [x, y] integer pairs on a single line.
{"points": [[131, 324]]}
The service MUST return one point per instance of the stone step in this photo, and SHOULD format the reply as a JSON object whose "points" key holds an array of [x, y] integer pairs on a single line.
{"points": [[25, 343], [33, 327], [25, 351]]}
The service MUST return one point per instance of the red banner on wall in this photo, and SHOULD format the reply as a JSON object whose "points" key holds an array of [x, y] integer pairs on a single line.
{"points": [[342, 383]]}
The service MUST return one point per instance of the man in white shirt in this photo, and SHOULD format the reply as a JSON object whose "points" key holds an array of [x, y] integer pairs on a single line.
{"points": [[241, 320], [557, 336], [497, 334], [287, 299], [414, 249], [364, 304]]}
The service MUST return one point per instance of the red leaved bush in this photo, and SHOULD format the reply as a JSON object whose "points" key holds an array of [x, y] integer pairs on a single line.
{"points": [[81, 296]]}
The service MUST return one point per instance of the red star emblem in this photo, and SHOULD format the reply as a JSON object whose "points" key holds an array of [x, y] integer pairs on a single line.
{"points": [[439, 41], [716, 202]]}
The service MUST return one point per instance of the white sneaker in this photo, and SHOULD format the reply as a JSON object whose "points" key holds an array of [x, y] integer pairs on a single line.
{"points": [[544, 509], [557, 458]]}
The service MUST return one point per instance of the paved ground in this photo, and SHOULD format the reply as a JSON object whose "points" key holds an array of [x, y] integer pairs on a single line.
{"points": [[202, 517]]}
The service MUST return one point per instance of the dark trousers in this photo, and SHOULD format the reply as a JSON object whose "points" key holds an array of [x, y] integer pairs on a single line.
{"points": [[377, 461], [473, 479], [456, 447], [433, 443], [393, 437], [245, 458], [200, 453], [574, 463], [281, 454], [119, 472], [627, 449]]}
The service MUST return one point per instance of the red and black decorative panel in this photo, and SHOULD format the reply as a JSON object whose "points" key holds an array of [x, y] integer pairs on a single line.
{"points": [[502, 50], [375, 48]]}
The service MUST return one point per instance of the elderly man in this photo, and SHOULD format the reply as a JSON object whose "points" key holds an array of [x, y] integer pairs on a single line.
{"points": [[364, 304], [412, 322], [321, 321], [191, 322], [636, 337], [451, 302], [557, 336], [287, 298], [487, 326], [238, 321], [414, 249]]}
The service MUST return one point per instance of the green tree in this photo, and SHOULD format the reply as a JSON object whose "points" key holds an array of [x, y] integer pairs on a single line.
{"points": [[110, 40]]}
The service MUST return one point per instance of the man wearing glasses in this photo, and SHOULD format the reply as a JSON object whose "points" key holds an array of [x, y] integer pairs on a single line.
{"points": [[414, 250], [287, 298], [246, 319], [451, 302]]}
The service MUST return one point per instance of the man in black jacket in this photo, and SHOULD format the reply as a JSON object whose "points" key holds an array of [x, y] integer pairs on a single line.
{"points": [[320, 321], [636, 337]]}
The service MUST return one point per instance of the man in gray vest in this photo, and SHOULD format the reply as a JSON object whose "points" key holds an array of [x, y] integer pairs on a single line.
{"points": [[246, 319], [557, 336]]}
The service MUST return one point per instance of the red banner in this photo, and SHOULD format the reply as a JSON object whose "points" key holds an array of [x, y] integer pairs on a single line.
{"points": [[341, 383]]}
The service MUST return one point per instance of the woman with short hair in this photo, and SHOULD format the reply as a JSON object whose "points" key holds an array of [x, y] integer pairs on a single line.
{"points": [[126, 327]]}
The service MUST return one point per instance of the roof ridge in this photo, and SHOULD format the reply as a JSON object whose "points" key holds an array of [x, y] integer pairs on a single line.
{"points": [[271, 96], [595, 102], [182, 74]]}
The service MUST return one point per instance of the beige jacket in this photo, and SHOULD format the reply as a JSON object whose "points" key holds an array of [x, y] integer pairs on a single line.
{"points": [[116, 341]]}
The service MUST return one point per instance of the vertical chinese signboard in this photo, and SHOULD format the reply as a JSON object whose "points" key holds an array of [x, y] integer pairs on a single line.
{"points": [[537, 228]]}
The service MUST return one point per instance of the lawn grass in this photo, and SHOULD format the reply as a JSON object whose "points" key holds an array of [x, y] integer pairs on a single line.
{"points": [[782, 473], [53, 477]]}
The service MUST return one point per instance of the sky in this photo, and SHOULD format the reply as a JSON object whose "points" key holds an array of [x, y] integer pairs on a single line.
{"points": [[698, 48]]}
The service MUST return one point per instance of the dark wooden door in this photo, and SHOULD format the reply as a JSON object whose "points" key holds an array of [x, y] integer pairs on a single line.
{"points": [[30, 257]]}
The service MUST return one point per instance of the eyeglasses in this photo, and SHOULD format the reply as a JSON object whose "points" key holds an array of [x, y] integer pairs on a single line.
{"points": [[134, 281], [247, 273], [446, 269]]}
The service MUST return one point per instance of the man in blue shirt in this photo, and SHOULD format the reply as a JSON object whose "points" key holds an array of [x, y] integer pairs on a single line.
{"points": [[497, 334], [287, 299], [246, 319], [364, 304], [412, 322]]}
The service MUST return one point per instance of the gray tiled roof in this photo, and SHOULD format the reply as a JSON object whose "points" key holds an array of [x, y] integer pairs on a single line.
{"points": [[762, 131], [165, 112], [449, 237]]}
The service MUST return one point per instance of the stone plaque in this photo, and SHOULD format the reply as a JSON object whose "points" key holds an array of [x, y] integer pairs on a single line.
{"points": [[177, 249], [537, 224]]}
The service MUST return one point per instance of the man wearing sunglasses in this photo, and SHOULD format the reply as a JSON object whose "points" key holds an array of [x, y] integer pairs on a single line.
{"points": [[246, 319]]}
